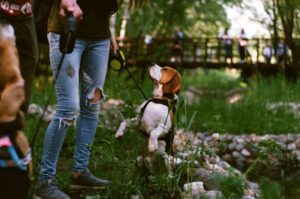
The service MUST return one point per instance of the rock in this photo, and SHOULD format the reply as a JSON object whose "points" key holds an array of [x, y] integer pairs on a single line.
{"points": [[239, 147], [195, 188], [254, 188], [240, 140], [291, 147], [231, 146], [135, 197], [248, 197], [212, 195], [216, 136], [227, 157], [235, 154], [206, 177], [225, 165], [246, 153]]}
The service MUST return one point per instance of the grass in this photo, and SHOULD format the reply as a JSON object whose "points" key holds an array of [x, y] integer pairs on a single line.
{"points": [[249, 115], [115, 159]]}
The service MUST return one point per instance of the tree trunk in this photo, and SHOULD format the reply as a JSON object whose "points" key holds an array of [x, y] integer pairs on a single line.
{"points": [[286, 11]]}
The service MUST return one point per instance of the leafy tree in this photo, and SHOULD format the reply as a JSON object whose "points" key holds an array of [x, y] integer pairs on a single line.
{"points": [[284, 15], [162, 16], [287, 12]]}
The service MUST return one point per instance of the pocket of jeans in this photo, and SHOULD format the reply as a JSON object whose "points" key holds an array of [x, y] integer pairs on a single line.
{"points": [[53, 39]]}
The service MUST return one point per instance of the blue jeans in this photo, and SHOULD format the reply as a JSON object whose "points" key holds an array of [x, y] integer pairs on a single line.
{"points": [[87, 62]]}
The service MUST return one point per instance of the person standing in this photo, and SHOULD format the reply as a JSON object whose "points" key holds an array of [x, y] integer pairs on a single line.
{"points": [[19, 14], [268, 52], [243, 43], [282, 52], [88, 60], [177, 47], [227, 43]]}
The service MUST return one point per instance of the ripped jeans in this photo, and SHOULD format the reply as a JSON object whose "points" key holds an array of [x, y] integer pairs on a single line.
{"points": [[87, 62]]}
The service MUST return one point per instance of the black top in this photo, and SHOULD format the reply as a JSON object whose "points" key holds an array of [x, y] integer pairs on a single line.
{"points": [[95, 22]]}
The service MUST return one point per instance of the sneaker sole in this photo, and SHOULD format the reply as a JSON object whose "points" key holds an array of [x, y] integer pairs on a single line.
{"points": [[77, 187]]}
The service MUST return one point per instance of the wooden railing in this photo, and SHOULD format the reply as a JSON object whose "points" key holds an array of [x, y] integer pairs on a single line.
{"points": [[196, 51]]}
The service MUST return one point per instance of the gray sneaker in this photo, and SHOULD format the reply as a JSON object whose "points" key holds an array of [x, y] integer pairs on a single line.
{"points": [[86, 180], [49, 190]]}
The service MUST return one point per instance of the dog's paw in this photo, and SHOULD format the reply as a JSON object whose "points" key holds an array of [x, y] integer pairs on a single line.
{"points": [[119, 134], [152, 146], [121, 130]]}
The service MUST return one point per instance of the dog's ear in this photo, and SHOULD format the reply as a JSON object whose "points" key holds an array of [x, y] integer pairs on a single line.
{"points": [[172, 86], [167, 74], [170, 80]]}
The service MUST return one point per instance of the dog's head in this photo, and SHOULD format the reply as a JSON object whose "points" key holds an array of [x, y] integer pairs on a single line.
{"points": [[167, 80], [11, 82]]}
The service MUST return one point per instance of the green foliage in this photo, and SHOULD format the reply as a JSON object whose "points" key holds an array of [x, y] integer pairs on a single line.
{"points": [[231, 186], [269, 189], [252, 113], [162, 16]]}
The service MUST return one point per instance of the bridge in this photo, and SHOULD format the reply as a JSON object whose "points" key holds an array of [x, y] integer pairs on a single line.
{"points": [[206, 53], [197, 52]]}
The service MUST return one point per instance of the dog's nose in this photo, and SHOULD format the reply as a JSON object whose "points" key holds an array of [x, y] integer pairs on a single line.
{"points": [[152, 64]]}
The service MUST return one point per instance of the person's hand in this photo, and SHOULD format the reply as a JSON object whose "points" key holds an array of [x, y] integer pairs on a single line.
{"points": [[70, 6], [113, 45]]}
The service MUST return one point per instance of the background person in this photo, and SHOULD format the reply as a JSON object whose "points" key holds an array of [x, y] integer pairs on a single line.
{"points": [[282, 52], [177, 48], [268, 52], [227, 44], [18, 13], [243, 43]]}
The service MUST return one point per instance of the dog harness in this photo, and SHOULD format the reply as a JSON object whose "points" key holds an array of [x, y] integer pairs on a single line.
{"points": [[169, 101], [9, 154], [15, 161]]}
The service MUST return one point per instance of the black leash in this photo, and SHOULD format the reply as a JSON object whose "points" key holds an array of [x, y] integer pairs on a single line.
{"points": [[117, 62], [135, 81]]}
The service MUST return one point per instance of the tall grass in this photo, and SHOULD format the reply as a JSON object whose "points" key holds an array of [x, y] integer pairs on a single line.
{"points": [[249, 115]]}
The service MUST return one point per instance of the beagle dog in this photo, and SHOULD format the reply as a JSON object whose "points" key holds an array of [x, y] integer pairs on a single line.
{"points": [[155, 116], [15, 157]]}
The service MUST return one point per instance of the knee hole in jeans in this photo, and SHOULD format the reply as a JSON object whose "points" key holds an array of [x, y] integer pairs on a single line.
{"points": [[97, 96], [67, 122]]}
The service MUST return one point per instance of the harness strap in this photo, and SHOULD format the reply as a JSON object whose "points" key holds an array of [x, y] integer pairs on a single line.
{"points": [[170, 102], [15, 161]]}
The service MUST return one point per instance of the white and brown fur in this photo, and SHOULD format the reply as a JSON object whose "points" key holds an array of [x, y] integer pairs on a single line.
{"points": [[155, 116]]}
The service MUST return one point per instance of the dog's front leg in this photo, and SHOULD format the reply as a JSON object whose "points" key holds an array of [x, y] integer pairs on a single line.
{"points": [[124, 125], [153, 139]]}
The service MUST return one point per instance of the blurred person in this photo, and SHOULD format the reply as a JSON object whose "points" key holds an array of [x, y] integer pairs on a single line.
{"points": [[227, 44], [19, 14], [282, 51], [243, 43], [177, 47], [268, 52]]}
